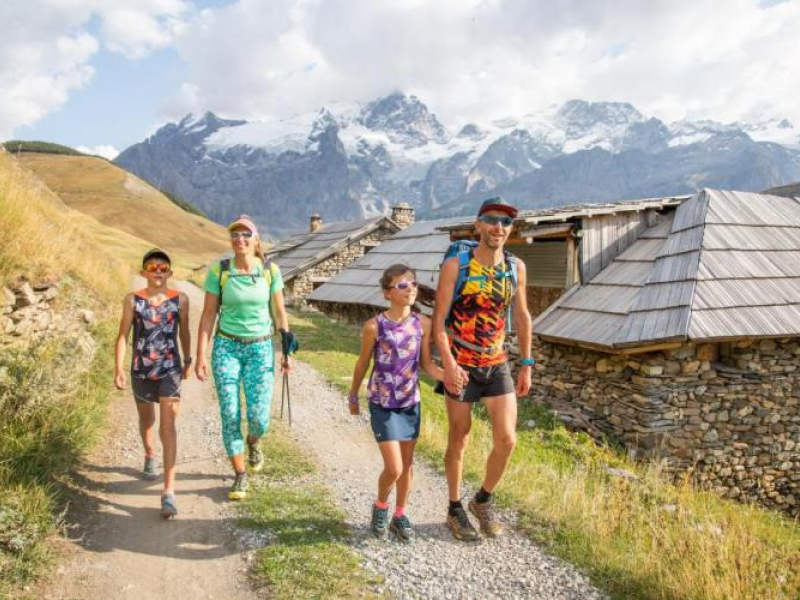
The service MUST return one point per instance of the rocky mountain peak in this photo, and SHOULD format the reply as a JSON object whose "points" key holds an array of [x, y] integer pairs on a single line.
{"points": [[582, 115], [405, 119]]}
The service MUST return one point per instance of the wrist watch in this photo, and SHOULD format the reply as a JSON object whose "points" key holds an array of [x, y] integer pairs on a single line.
{"points": [[187, 362]]}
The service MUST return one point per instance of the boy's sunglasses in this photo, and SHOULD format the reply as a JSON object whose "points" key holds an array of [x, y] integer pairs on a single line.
{"points": [[495, 220], [155, 268], [245, 235], [404, 285]]}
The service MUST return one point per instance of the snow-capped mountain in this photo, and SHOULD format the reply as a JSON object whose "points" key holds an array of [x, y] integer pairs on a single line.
{"points": [[349, 160]]}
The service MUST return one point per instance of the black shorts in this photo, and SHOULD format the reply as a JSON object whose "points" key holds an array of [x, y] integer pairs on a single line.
{"points": [[486, 382], [150, 390]]}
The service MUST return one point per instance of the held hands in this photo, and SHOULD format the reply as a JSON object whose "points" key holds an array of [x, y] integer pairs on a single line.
{"points": [[455, 379]]}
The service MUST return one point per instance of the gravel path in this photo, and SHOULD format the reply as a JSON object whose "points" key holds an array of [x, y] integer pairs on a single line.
{"points": [[436, 565]]}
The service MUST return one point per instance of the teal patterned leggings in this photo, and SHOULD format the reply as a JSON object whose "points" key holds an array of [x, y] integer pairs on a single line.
{"points": [[234, 363]]}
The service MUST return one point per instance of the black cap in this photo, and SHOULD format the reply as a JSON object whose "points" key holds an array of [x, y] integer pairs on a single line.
{"points": [[156, 253], [497, 204]]}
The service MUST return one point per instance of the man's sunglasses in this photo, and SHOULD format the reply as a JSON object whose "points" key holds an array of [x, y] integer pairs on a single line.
{"points": [[156, 268], [404, 285], [244, 235], [495, 220]]}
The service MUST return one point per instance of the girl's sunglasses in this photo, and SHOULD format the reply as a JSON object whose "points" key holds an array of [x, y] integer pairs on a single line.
{"points": [[495, 220], [244, 235], [155, 268], [404, 285]]}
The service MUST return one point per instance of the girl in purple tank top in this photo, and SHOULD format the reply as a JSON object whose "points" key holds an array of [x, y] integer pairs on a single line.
{"points": [[398, 341]]}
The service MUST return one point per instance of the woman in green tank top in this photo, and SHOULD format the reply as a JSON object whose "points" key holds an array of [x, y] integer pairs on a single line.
{"points": [[246, 293]]}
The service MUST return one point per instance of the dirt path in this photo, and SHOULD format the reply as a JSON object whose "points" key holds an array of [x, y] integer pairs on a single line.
{"points": [[119, 547]]}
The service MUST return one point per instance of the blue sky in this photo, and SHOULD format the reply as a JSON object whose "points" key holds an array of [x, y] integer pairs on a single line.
{"points": [[103, 74]]}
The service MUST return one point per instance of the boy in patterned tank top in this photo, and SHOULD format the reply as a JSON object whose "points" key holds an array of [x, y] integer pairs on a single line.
{"points": [[159, 317], [399, 342]]}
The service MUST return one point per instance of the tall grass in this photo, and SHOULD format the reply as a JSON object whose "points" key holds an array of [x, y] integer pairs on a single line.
{"points": [[52, 402], [636, 538]]}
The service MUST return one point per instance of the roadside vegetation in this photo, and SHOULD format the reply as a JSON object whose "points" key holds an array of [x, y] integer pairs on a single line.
{"points": [[52, 405], [307, 555], [635, 534], [14, 146]]}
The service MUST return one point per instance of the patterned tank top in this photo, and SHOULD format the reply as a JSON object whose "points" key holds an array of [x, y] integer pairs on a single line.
{"points": [[479, 316], [155, 329], [394, 382]]}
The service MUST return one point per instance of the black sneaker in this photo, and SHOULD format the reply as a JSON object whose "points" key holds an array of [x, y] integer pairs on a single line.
{"points": [[461, 527], [379, 518], [255, 457], [238, 490], [401, 527]]}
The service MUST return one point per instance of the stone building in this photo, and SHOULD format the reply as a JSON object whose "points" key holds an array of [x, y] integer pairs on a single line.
{"points": [[685, 347], [309, 260]]}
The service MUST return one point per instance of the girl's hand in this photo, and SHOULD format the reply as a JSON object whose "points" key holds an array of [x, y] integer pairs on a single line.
{"points": [[201, 369], [120, 381], [355, 408]]}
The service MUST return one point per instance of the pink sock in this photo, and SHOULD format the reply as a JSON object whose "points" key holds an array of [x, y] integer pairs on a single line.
{"points": [[399, 512], [381, 505]]}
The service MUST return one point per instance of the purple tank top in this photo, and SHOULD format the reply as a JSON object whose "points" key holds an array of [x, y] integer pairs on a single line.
{"points": [[394, 382]]}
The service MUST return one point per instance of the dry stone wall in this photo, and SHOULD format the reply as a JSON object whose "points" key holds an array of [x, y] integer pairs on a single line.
{"points": [[727, 413]]}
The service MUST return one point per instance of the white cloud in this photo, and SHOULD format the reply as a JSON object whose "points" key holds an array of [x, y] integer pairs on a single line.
{"points": [[478, 59], [106, 151], [46, 47]]}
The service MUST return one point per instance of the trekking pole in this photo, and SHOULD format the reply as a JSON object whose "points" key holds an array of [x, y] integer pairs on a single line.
{"points": [[286, 396]]}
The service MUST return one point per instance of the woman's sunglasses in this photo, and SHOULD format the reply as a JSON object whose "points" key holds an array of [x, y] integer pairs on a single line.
{"points": [[404, 285], [495, 220], [156, 268], [244, 235]]}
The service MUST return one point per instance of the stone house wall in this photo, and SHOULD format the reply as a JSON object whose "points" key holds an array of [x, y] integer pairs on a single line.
{"points": [[302, 285], [727, 413]]}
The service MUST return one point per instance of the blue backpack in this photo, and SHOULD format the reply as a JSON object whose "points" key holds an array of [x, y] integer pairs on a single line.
{"points": [[463, 250]]}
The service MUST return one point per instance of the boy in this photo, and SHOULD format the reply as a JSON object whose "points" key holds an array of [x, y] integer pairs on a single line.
{"points": [[159, 316]]}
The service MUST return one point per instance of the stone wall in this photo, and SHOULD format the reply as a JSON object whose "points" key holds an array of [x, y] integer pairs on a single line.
{"points": [[302, 285], [727, 413]]}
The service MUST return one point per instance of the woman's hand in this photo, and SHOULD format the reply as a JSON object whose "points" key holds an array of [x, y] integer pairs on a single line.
{"points": [[120, 381], [286, 365], [201, 368]]}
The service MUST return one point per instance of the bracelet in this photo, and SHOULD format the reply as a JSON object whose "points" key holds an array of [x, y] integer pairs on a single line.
{"points": [[526, 362], [352, 398]]}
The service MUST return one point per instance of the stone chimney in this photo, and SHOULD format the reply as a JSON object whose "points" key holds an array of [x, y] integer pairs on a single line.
{"points": [[316, 222], [403, 214]]}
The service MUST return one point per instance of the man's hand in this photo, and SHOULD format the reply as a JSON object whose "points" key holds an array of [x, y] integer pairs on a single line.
{"points": [[523, 381], [455, 378], [201, 369], [120, 381]]}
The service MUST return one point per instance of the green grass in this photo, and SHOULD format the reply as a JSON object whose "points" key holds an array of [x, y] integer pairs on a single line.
{"points": [[308, 556], [52, 413], [635, 539], [14, 146]]}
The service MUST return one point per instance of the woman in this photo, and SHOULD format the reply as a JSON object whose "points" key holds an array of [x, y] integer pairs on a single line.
{"points": [[246, 292]]}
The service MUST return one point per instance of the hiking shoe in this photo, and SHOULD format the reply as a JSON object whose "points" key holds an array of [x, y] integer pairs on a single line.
{"points": [[401, 527], [149, 470], [379, 518], [255, 457], [168, 506], [484, 512], [461, 527], [238, 490]]}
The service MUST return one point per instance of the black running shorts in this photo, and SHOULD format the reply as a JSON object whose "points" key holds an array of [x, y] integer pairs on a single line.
{"points": [[486, 382], [150, 390]]}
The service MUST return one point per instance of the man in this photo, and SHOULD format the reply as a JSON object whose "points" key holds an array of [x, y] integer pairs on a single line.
{"points": [[469, 330]]}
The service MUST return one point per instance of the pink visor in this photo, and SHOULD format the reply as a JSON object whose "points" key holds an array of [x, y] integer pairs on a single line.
{"points": [[244, 221]]}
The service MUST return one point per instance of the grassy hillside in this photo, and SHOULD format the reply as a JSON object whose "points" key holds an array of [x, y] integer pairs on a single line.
{"points": [[17, 146], [117, 199]]}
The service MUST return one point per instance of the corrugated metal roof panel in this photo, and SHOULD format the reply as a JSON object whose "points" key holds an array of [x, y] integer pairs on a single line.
{"points": [[746, 208], [680, 267], [736, 264], [624, 273], [603, 298], [691, 213], [682, 241], [654, 325], [642, 250], [742, 237], [656, 296], [581, 326]]}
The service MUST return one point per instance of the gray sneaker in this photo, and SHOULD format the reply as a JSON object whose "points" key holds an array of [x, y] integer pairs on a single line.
{"points": [[401, 527], [239, 488], [168, 507], [379, 518], [149, 470], [255, 457]]}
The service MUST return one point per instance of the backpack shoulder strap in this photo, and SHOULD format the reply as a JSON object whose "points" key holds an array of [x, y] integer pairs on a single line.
{"points": [[224, 273], [511, 261], [464, 256]]}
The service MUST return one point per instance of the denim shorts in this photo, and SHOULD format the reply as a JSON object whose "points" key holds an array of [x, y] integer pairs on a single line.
{"points": [[148, 391], [394, 424]]}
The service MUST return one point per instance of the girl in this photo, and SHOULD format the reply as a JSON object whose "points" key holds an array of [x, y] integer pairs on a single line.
{"points": [[247, 293], [399, 340]]}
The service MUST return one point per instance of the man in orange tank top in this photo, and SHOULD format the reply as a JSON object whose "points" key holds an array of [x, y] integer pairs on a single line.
{"points": [[469, 330]]}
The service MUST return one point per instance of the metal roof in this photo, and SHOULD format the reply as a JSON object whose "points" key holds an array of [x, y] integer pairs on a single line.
{"points": [[420, 245], [302, 252], [726, 265]]}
